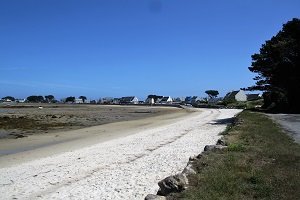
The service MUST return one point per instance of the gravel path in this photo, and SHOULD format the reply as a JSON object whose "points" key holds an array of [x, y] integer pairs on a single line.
{"points": [[124, 168], [290, 123]]}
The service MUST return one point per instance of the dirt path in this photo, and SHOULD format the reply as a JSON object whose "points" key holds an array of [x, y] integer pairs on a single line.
{"points": [[290, 123], [123, 168]]}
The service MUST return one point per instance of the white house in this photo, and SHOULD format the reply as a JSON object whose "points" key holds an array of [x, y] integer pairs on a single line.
{"points": [[106, 100], [166, 100], [20, 100], [78, 101], [129, 100], [149, 101], [236, 96]]}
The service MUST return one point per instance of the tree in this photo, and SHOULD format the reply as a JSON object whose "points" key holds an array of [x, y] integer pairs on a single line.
{"points": [[70, 99], [212, 93], [35, 99], [49, 98], [278, 67], [9, 98], [83, 98]]}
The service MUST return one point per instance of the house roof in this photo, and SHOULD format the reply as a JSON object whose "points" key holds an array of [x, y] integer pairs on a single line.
{"points": [[230, 95], [165, 99], [127, 99], [252, 97]]}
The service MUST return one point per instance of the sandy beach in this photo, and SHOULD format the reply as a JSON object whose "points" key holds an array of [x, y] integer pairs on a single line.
{"points": [[121, 160]]}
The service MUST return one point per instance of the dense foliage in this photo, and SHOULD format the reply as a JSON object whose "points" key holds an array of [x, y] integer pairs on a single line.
{"points": [[70, 99], [35, 99], [278, 68], [83, 98], [49, 98], [9, 98]]}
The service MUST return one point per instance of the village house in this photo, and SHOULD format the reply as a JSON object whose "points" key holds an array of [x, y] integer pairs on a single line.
{"points": [[150, 101], [235, 96], [253, 97], [166, 100], [197, 100], [78, 101], [20, 100], [116, 101], [106, 100], [129, 100]]}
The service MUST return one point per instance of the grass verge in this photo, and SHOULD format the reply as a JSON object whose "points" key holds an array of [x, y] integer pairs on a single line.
{"points": [[261, 162]]}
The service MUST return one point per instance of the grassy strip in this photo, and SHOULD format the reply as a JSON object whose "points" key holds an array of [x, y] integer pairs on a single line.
{"points": [[261, 162]]}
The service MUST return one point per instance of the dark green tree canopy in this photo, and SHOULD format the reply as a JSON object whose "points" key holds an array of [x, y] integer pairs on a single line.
{"points": [[9, 98], [70, 99], [278, 65], [83, 98], [35, 99], [212, 93], [49, 98]]}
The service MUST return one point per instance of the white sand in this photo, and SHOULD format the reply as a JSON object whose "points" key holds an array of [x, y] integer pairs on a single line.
{"points": [[122, 168]]}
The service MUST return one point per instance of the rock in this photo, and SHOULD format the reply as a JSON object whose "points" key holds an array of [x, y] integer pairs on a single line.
{"points": [[199, 156], [188, 170], [221, 142], [193, 158], [154, 197], [172, 184], [214, 147]]}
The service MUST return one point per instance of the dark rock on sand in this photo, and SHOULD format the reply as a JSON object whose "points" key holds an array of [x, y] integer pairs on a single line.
{"points": [[172, 184]]}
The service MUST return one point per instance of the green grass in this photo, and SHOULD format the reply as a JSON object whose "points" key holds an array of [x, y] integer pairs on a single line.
{"points": [[261, 162]]}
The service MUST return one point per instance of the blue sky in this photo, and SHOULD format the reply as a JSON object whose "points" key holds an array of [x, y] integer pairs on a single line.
{"points": [[133, 47]]}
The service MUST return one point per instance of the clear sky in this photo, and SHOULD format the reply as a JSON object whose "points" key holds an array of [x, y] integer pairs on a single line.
{"points": [[117, 48]]}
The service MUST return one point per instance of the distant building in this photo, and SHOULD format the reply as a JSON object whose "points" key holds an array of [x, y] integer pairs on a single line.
{"points": [[20, 100], [188, 100], [93, 102], [166, 100], [129, 100], [106, 100], [253, 97], [178, 100], [150, 101], [236, 96], [197, 100], [78, 101], [116, 101]]}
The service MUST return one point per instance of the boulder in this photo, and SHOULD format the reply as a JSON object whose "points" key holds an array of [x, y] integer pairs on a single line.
{"points": [[214, 147], [172, 184], [221, 142], [188, 170], [154, 197]]}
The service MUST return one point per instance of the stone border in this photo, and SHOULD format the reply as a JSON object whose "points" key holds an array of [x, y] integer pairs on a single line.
{"points": [[179, 182]]}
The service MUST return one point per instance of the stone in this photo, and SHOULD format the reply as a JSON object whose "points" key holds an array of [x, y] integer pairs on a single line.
{"points": [[188, 170], [154, 197], [192, 158], [221, 142], [172, 184], [214, 147]]}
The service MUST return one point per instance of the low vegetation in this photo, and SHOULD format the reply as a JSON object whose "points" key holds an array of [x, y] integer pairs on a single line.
{"points": [[261, 162]]}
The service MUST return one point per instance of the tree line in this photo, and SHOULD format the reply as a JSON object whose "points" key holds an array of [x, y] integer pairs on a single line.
{"points": [[277, 66], [45, 99]]}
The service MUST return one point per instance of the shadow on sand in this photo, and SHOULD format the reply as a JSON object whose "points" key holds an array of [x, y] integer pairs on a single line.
{"points": [[223, 121]]}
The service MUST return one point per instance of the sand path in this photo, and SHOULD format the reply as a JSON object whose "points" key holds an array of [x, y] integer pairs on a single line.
{"points": [[121, 168]]}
